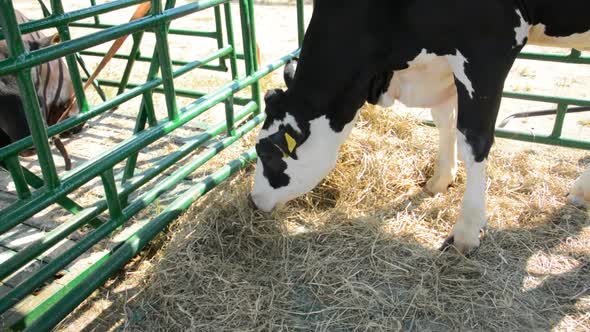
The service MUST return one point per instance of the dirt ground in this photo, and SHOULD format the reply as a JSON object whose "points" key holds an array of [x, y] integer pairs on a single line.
{"points": [[539, 253]]}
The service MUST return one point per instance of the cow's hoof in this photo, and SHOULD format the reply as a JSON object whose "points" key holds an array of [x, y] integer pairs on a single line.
{"points": [[461, 244], [579, 194], [438, 184]]}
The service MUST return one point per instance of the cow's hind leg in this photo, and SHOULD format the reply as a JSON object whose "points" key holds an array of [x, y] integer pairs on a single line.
{"points": [[479, 75], [445, 118], [579, 194]]}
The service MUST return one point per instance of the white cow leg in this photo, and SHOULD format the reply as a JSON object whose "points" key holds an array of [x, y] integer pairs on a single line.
{"points": [[472, 218], [579, 194], [445, 118]]}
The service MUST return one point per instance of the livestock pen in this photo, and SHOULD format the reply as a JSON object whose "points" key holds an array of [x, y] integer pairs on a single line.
{"points": [[359, 252]]}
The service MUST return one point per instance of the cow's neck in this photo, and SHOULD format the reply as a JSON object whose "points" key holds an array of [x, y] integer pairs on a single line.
{"points": [[336, 64]]}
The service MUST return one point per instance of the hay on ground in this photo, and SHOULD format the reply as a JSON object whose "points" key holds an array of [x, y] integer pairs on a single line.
{"points": [[360, 251]]}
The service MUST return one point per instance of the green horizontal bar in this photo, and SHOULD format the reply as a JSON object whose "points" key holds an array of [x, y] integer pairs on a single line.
{"points": [[121, 255], [27, 286], [142, 178], [546, 99], [528, 137], [65, 202], [74, 121], [53, 237], [206, 34], [179, 92], [58, 20], [543, 139], [555, 58], [23, 322], [31, 59], [149, 59]]}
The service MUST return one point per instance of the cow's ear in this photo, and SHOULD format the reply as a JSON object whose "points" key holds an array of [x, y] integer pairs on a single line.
{"points": [[378, 86], [272, 99], [289, 71], [286, 142], [273, 96]]}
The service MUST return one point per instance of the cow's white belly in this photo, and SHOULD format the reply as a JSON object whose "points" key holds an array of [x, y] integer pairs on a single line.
{"points": [[579, 41], [429, 81], [426, 83]]}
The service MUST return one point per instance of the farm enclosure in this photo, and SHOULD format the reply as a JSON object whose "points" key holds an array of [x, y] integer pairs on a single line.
{"points": [[345, 218]]}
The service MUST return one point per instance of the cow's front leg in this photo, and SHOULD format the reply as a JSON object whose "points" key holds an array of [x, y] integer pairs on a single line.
{"points": [[579, 194], [480, 71], [445, 118], [472, 217]]}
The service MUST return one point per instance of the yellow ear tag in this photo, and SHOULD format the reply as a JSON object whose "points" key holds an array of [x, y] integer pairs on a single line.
{"points": [[291, 143]]}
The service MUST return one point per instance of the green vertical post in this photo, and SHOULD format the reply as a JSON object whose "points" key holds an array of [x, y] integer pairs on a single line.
{"points": [[29, 95], [133, 55], [249, 37], [112, 197], [575, 54], [256, 86], [44, 9], [229, 115], [166, 69], [131, 162], [65, 202], [95, 84], [161, 32], [146, 111], [16, 172], [559, 119], [300, 22], [64, 33], [140, 123], [233, 63], [219, 35], [246, 35], [96, 18]]}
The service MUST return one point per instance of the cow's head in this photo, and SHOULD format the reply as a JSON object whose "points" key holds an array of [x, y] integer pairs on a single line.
{"points": [[296, 149]]}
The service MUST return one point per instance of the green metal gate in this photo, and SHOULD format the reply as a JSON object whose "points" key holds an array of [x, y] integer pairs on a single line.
{"points": [[562, 106], [19, 306]]}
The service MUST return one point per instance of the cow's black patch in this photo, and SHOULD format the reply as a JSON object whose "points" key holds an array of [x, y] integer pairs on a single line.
{"points": [[378, 86], [561, 18], [274, 165]]}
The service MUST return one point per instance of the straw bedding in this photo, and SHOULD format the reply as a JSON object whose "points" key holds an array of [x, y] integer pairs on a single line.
{"points": [[360, 252]]}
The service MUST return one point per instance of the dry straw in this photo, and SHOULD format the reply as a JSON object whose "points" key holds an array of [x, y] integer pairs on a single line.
{"points": [[360, 251]]}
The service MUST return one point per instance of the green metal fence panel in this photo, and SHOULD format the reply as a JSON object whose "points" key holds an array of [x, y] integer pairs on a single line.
{"points": [[128, 190], [563, 106]]}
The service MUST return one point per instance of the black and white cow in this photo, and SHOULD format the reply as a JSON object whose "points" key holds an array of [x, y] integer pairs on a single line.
{"points": [[53, 86], [452, 56]]}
